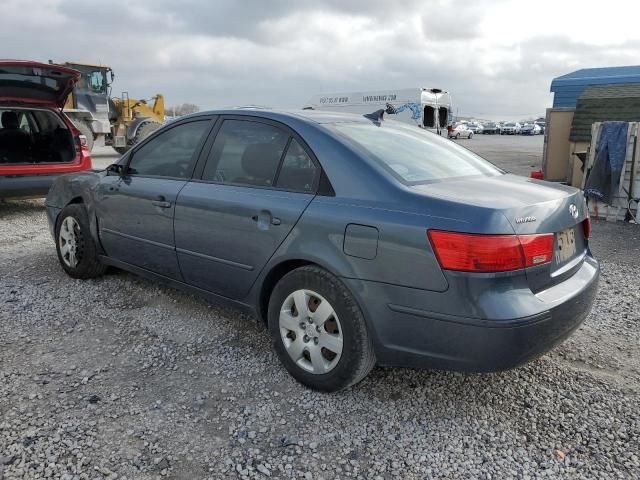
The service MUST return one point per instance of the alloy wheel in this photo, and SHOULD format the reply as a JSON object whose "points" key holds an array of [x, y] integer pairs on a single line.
{"points": [[68, 241], [311, 331]]}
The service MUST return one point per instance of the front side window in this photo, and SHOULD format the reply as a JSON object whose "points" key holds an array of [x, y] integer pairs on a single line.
{"points": [[171, 153], [246, 153], [413, 155], [93, 80]]}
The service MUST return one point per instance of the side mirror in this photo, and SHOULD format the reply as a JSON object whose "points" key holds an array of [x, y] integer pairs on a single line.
{"points": [[116, 169]]}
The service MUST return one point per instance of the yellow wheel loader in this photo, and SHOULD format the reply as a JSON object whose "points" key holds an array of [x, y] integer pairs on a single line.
{"points": [[116, 122], [135, 120]]}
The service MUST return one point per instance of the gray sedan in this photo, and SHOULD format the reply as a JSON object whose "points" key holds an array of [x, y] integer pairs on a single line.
{"points": [[356, 240]]}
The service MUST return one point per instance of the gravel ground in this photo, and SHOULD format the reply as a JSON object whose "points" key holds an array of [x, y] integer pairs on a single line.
{"points": [[120, 378], [519, 154]]}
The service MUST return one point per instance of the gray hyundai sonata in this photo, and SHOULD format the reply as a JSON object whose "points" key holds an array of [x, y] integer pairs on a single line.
{"points": [[357, 240]]}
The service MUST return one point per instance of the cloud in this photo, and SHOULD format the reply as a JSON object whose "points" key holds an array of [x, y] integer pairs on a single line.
{"points": [[497, 58]]}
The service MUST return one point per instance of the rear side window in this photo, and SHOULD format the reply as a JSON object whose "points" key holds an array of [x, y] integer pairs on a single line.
{"points": [[171, 153], [413, 155], [246, 153], [298, 172]]}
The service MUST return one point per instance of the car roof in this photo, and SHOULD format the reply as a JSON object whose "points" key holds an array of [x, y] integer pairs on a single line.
{"points": [[311, 116]]}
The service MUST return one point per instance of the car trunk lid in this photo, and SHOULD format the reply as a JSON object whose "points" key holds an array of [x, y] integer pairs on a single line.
{"points": [[36, 83], [531, 207]]}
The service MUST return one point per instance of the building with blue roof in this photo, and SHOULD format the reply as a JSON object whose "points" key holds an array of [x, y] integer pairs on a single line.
{"points": [[567, 88]]}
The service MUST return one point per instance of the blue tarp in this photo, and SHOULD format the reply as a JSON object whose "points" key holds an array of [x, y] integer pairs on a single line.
{"points": [[604, 179]]}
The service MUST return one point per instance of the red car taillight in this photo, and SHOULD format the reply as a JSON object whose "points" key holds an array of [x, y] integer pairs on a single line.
{"points": [[537, 174], [586, 225], [469, 252], [82, 149]]}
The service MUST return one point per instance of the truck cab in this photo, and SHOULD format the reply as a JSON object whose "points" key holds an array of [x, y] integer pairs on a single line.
{"points": [[88, 106]]}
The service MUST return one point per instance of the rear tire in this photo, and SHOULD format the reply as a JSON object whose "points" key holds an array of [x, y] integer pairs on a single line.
{"points": [[77, 251], [457, 136], [324, 351], [86, 131]]}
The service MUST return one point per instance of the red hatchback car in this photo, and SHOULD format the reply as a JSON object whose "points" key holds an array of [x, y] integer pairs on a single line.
{"points": [[38, 142]]}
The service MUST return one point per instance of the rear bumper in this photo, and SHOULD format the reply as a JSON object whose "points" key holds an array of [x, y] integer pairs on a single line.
{"points": [[411, 335], [25, 186]]}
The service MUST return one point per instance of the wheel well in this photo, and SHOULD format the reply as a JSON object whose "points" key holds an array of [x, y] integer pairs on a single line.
{"points": [[75, 200], [270, 281]]}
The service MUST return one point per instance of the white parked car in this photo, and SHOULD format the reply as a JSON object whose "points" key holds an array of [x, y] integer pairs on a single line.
{"points": [[461, 131], [530, 129], [510, 128], [475, 127]]}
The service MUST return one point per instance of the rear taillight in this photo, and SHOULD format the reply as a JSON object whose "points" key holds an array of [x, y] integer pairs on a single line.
{"points": [[537, 174], [586, 225], [537, 249], [82, 147], [471, 252]]}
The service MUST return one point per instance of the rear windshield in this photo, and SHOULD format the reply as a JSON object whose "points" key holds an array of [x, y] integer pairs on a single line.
{"points": [[413, 155]]}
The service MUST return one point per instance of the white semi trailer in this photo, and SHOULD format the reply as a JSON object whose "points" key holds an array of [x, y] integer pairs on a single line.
{"points": [[428, 108]]}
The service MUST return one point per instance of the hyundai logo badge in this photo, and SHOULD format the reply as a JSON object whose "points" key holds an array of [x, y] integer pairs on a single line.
{"points": [[573, 210]]}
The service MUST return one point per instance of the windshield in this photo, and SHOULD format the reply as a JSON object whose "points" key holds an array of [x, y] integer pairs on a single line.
{"points": [[93, 79], [413, 155]]}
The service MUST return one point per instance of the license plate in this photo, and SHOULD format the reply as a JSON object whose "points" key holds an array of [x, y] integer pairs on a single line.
{"points": [[565, 245]]}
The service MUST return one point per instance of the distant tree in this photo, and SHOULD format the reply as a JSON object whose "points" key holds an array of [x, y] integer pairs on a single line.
{"points": [[184, 109]]}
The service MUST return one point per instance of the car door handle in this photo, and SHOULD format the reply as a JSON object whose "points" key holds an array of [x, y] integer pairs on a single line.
{"points": [[161, 203], [264, 218]]}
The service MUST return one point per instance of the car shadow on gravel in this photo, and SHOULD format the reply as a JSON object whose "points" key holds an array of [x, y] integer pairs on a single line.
{"points": [[20, 207]]}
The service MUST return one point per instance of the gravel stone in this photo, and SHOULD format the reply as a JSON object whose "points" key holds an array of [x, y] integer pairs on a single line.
{"points": [[122, 378]]}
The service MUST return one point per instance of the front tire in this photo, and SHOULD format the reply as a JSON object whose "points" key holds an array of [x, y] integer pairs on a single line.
{"points": [[319, 331], [77, 251], [470, 136]]}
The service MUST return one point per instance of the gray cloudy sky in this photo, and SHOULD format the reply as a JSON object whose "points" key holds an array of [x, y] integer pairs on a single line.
{"points": [[496, 57]]}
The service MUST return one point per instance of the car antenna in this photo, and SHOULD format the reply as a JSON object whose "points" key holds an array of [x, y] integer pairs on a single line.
{"points": [[376, 116]]}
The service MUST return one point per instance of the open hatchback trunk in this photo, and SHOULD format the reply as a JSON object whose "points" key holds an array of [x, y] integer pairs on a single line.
{"points": [[36, 83], [36, 138]]}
